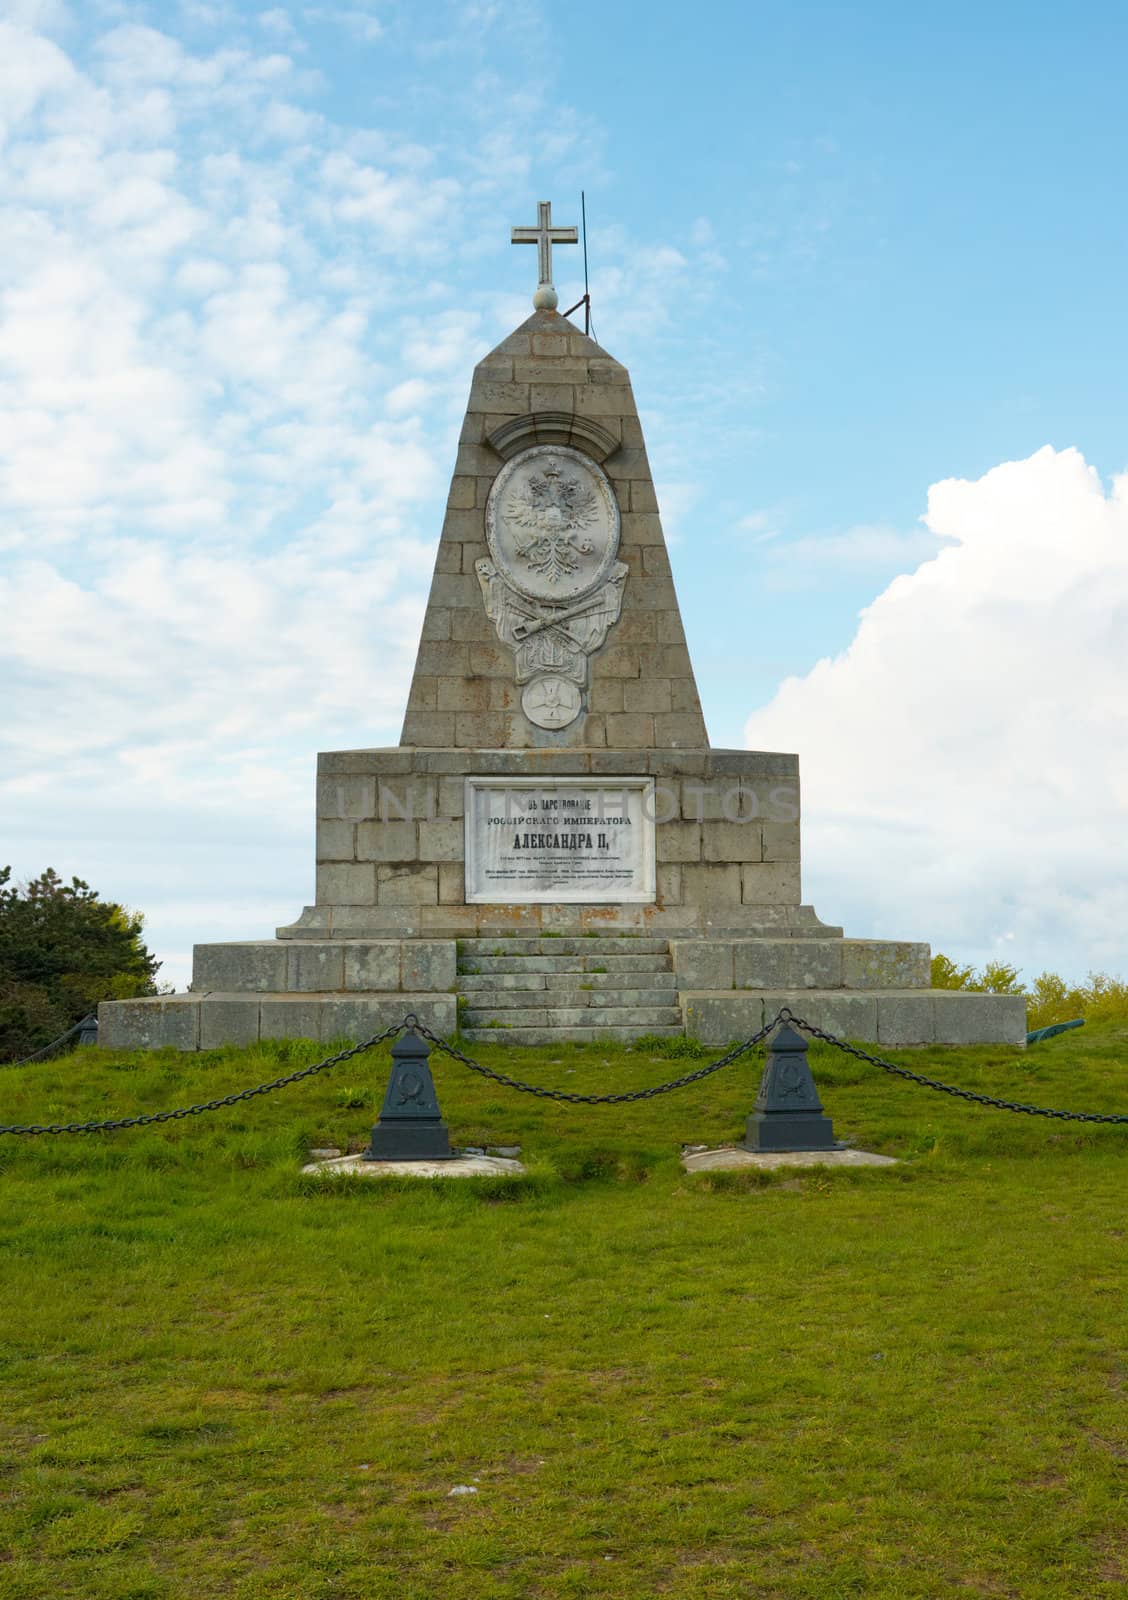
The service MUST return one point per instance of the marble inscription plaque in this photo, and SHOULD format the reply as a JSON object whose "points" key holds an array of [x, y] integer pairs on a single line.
{"points": [[569, 839]]}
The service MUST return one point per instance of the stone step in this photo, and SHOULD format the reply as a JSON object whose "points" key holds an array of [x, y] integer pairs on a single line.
{"points": [[507, 999], [638, 977], [592, 963], [608, 944], [557, 1036], [469, 965], [497, 982], [475, 982], [641, 1018]]}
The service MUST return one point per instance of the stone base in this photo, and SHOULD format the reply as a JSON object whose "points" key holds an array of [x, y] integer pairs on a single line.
{"points": [[732, 1158], [391, 830], [456, 1167], [543, 1006], [210, 1021], [876, 1016]]}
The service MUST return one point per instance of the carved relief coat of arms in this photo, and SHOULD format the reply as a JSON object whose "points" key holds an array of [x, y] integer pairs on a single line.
{"points": [[553, 587]]}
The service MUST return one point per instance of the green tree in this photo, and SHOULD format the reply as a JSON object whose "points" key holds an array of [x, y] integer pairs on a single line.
{"points": [[1100, 998], [946, 974], [997, 977], [62, 949]]}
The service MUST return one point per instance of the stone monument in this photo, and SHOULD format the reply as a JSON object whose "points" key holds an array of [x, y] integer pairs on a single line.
{"points": [[553, 850]]}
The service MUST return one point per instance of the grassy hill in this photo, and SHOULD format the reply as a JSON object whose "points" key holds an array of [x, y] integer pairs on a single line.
{"points": [[222, 1379]]}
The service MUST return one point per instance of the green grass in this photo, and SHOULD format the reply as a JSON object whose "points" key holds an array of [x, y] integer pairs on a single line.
{"points": [[221, 1379]]}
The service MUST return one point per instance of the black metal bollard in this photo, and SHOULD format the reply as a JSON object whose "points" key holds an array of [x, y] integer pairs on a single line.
{"points": [[410, 1126], [88, 1030], [788, 1114]]}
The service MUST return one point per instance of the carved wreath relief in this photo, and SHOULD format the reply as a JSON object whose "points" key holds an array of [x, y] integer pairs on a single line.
{"points": [[553, 588]]}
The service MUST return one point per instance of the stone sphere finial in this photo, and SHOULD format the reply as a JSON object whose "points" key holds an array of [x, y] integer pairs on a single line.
{"points": [[545, 298]]}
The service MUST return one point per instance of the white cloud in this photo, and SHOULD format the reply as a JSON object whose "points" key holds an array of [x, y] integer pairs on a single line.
{"points": [[638, 284], [134, 54], [234, 348], [280, 22], [448, 342], [358, 22], [760, 527], [408, 396], [205, 569], [289, 124], [43, 15], [31, 68], [825, 559], [965, 760]]}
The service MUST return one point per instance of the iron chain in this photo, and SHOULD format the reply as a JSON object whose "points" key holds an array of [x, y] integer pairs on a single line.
{"points": [[149, 1119], [571, 1098], [566, 1096], [48, 1050], [787, 1015]]}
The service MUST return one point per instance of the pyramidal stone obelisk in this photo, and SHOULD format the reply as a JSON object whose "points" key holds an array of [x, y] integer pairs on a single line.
{"points": [[553, 850]]}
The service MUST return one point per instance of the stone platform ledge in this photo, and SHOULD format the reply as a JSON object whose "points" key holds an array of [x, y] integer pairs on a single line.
{"points": [[568, 761], [733, 1158], [458, 1167], [348, 922], [882, 1018], [211, 1021], [713, 964], [326, 966]]}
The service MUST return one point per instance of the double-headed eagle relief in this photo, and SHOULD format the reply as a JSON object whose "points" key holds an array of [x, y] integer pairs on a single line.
{"points": [[555, 510], [553, 588]]}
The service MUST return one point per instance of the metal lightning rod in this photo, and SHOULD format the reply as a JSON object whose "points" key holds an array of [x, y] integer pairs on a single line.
{"points": [[587, 292]]}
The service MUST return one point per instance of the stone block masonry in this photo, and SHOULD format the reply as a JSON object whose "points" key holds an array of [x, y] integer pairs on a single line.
{"points": [[716, 964], [212, 1021], [321, 990], [387, 966], [876, 1017], [553, 598], [391, 842], [548, 385]]}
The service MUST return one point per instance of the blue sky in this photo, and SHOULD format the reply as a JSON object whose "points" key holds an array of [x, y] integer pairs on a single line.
{"points": [[851, 256]]}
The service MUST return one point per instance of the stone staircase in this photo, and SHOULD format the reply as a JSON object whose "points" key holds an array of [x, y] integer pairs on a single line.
{"points": [[548, 990]]}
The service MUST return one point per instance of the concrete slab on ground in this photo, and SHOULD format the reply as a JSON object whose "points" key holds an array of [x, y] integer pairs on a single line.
{"points": [[731, 1158], [458, 1167]]}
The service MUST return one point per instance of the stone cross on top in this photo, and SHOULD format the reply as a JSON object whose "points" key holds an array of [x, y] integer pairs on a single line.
{"points": [[544, 236]]}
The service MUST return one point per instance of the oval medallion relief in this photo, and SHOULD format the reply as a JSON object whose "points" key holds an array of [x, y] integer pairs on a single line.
{"points": [[552, 523]]}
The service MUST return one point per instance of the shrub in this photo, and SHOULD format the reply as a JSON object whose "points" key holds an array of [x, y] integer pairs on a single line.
{"points": [[62, 949]]}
